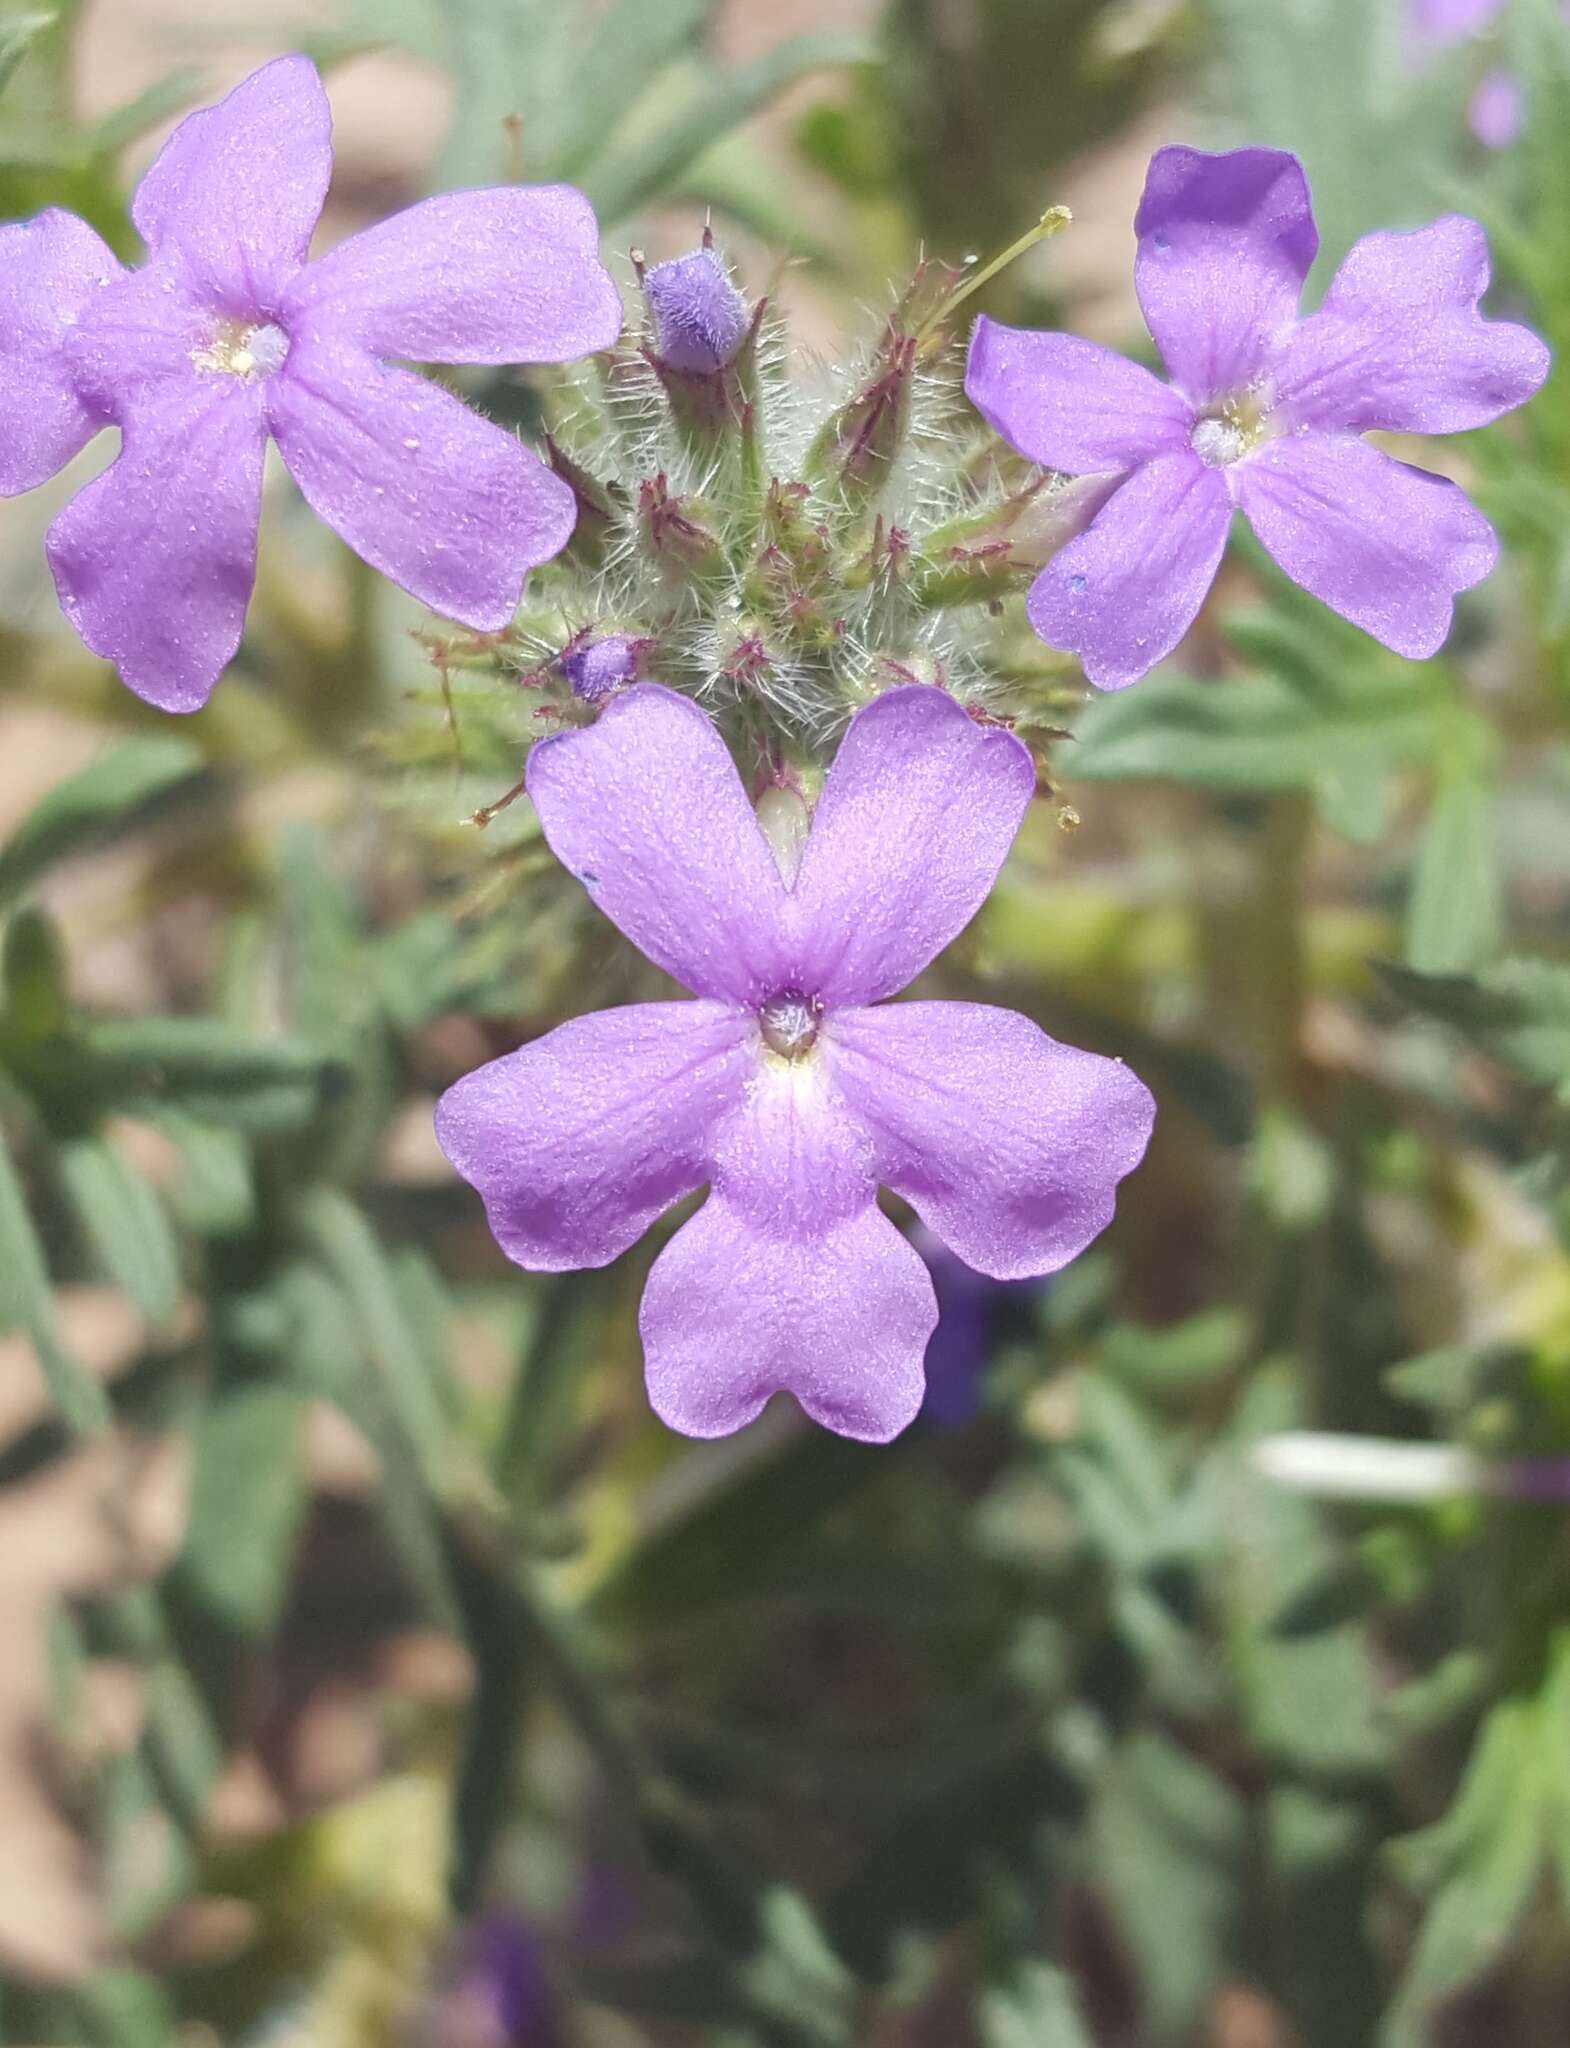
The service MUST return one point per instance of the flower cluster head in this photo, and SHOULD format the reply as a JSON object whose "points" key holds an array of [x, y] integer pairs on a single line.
{"points": [[789, 1086], [228, 336], [1265, 414]]}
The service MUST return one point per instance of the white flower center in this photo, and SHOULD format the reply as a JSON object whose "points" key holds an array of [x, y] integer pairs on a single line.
{"points": [[1233, 427], [239, 349], [789, 1023], [1218, 442]]}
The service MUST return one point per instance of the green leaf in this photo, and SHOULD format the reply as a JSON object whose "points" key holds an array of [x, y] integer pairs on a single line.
{"points": [[90, 806], [124, 1220], [1180, 1356], [1456, 915], [247, 1498], [18, 34], [633, 40], [214, 1192], [1482, 1862], [125, 2009], [621, 185], [1256, 734], [509, 58], [210, 1071], [27, 1304], [1039, 2009], [183, 1746], [350, 1251], [33, 974], [1170, 1837], [1517, 1011], [130, 122]]}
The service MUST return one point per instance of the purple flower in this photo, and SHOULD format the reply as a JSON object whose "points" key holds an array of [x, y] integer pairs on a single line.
{"points": [[699, 318], [503, 1997], [1265, 413], [788, 1087], [1496, 110], [968, 1316], [1451, 21], [227, 335]]}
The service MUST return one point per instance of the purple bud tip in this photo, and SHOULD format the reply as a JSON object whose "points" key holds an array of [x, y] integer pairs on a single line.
{"points": [[699, 317], [596, 667]]}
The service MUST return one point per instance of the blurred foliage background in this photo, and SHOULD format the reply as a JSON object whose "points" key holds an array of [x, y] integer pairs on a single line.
{"points": [[376, 1668]]}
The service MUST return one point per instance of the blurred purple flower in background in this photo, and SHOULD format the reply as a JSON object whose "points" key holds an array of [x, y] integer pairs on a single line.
{"points": [[503, 1996], [961, 1346], [1265, 414], [790, 1087], [1451, 21], [228, 336], [1497, 110]]}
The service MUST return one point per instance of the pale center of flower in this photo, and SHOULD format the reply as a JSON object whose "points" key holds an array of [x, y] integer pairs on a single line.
{"points": [[1225, 435], [789, 1023], [243, 349]]}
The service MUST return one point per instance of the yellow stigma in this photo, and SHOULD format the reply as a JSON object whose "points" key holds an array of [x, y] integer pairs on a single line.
{"points": [[244, 349]]}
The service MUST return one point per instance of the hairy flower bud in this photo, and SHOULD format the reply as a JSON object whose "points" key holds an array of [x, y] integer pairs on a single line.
{"points": [[857, 447], [998, 549], [676, 533], [596, 667], [698, 318]]}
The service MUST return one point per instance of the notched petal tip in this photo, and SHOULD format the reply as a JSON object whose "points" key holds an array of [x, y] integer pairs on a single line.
{"points": [[1225, 243], [736, 1312], [917, 815], [238, 187]]}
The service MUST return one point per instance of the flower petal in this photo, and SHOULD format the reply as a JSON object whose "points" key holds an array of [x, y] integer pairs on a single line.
{"points": [[1069, 404], [1225, 243], [917, 816], [788, 1279], [1122, 594], [236, 190], [50, 268], [440, 500], [154, 560], [1399, 342], [579, 1140], [1386, 545], [508, 275], [1007, 1144], [238, 187], [645, 807], [144, 330]]}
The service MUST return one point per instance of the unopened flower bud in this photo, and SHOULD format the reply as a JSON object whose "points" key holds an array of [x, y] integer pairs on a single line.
{"points": [[998, 549], [594, 668], [595, 514], [676, 534], [858, 445], [699, 319]]}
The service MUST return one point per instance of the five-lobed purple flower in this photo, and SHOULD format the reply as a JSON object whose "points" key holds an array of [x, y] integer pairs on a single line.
{"points": [[1264, 414], [228, 335], [789, 1086]]}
